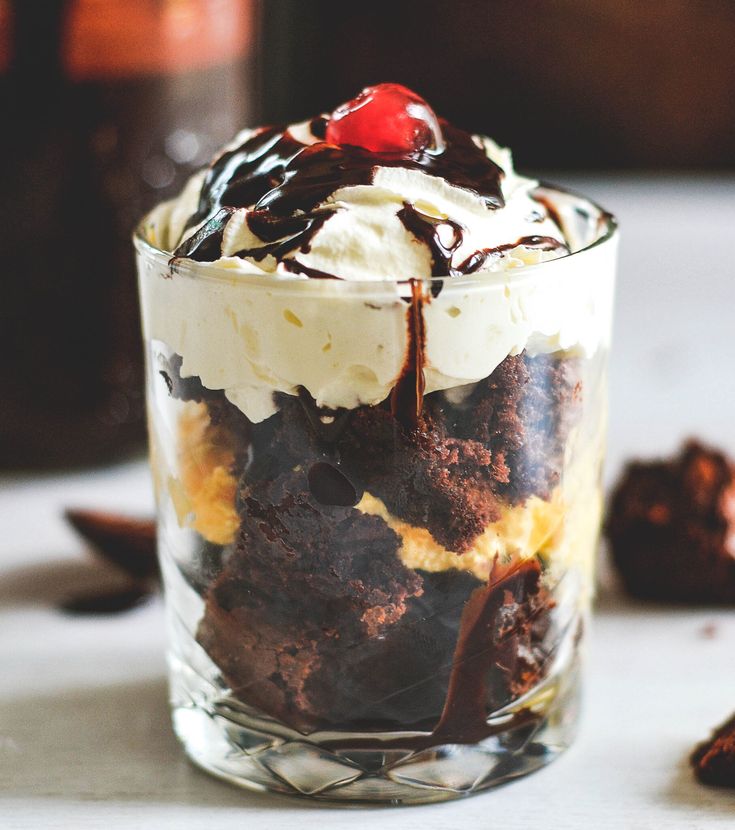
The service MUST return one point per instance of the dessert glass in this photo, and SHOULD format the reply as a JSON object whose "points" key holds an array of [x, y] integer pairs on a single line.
{"points": [[385, 602]]}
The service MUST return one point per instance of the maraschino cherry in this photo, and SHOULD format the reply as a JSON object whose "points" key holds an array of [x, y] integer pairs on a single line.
{"points": [[387, 118]]}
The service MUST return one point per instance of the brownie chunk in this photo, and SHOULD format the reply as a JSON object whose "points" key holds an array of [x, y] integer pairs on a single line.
{"points": [[504, 441], [714, 759], [424, 476], [305, 584], [522, 414], [672, 527], [400, 680]]}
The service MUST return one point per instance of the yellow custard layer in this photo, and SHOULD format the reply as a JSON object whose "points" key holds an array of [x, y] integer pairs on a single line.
{"points": [[522, 532], [204, 492]]}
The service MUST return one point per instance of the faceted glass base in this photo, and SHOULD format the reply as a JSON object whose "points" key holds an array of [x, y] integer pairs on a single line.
{"points": [[228, 741]]}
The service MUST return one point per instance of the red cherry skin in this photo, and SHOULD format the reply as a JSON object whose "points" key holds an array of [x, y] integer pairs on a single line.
{"points": [[387, 118]]}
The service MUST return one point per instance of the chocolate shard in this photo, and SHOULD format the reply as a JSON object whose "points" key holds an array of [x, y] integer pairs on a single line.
{"points": [[714, 759], [126, 542], [107, 602]]}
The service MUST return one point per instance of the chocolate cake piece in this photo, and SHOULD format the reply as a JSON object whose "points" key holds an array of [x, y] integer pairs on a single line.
{"points": [[502, 636], [523, 414], [505, 441], [714, 759], [671, 527], [551, 404], [423, 476], [293, 437], [400, 680], [305, 583]]}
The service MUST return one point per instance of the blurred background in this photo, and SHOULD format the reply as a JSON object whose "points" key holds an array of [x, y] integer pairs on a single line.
{"points": [[108, 105]]}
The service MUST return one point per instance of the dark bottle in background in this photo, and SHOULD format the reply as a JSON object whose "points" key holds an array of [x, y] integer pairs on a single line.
{"points": [[107, 107]]}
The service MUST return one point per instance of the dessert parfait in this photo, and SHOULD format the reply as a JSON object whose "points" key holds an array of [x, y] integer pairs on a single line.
{"points": [[377, 406]]}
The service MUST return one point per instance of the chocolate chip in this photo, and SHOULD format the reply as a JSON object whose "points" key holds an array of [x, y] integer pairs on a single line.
{"points": [[330, 486]]}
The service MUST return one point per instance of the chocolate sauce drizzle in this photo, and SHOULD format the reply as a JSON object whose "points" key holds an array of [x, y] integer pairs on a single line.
{"points": [[443, 237], [407, 397], [478, 259], [284, 235], [206, 244], [550, 209], [427, 229], [273, 172]]}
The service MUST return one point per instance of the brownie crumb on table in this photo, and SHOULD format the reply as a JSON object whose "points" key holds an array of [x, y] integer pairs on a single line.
{"points": [[714, 759], [671, 527]]}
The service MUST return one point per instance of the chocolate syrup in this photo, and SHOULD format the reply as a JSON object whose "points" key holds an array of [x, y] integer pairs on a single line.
{"points": [[271, 171], [550, 209], [428, 229], [296, 267], [206, 244], [477, 260], [287, 234], [407, 397], [465, 711]]}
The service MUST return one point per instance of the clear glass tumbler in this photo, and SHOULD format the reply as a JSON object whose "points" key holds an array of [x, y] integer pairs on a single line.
{"points": [[378, 507]]}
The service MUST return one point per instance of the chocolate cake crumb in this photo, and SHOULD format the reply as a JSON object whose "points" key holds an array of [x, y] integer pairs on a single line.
{"points": [[714, 759], [671, 527]]}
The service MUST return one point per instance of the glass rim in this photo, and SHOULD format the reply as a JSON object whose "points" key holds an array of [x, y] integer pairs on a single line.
{"points": [[211, 272]]}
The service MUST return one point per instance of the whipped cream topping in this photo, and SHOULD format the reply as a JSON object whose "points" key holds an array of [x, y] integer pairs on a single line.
{"points": [[279, 210], [359, 229]]}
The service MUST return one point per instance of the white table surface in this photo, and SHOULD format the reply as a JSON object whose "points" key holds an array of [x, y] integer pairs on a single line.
{"points": [[85, 740]]}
